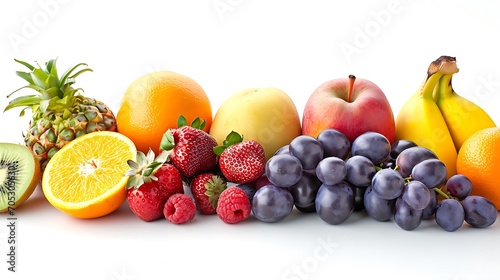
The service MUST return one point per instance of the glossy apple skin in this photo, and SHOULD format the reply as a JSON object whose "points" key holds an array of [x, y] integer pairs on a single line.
{"points": [[368, 109]]}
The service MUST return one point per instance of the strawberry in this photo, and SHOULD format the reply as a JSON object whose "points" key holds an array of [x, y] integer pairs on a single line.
{"points": [[151, 183], [191, 148], [206, 188], [241, 161]]}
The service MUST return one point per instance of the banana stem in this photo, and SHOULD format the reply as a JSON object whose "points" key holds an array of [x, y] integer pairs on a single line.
{"points": [[427, 90], [444, 65], [444, 88]]}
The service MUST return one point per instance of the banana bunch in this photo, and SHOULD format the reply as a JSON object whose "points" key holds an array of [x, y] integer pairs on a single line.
{"points": [[437, 118], [462, 116]]}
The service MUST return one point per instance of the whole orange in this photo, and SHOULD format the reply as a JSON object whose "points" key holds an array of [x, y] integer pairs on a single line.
{"points": [[479, 160], [153, 103]]}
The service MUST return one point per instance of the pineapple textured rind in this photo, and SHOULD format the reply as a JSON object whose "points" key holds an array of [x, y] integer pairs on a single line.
{"points": [[60, 112]]}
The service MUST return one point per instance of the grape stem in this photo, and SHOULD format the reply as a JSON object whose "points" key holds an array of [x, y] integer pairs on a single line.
{"points": [[407, 179], [439, 191]]}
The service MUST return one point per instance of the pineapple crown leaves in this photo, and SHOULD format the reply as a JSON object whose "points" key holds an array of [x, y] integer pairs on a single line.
{"points": [[232, 138], [167, 142], [55, 92], [214, 187], [143, 171]]}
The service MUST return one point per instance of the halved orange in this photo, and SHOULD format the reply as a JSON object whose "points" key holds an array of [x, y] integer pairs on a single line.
{"points": [[85, 179]]}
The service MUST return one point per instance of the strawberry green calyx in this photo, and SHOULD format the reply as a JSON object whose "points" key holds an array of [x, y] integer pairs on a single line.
{"points": [[143, 171], [215, 186], [232, 138], [168, 143], [196, 123]]}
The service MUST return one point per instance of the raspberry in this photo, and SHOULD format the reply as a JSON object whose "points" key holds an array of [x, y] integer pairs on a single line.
{"points": [[179, 208], [233, 206], [249, 189]]}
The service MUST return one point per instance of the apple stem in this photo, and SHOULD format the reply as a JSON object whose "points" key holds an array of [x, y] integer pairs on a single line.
{"points": [[352, 78]]}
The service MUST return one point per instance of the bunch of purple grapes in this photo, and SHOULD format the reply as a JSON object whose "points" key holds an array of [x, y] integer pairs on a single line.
{"points": [[401, 181]]}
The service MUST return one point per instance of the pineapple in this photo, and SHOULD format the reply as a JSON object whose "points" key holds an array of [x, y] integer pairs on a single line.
{"points": [[60, 112]]}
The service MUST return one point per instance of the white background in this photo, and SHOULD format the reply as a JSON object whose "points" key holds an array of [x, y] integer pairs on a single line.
{"points": [[227, 46]]}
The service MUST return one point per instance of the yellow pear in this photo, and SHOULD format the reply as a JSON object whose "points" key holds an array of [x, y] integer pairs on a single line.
{"points": [[266, 115]]}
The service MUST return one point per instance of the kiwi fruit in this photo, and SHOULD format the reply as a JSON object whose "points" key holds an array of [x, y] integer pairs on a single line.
{"points": [[19, 175]]}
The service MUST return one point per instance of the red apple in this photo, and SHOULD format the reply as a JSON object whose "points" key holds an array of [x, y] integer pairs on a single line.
{"points": [[352, 106]]}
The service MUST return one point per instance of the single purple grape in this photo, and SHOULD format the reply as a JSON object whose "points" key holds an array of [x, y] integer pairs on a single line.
{"points": [[372, 145], [307, 149], [272, 204], [335, 203], [416, 195], [360, 171], [459, 186], [480, 212], [283, 170], [334, 143], [400, 145], [388, 184], [376, 207], [406, 217], [304, 192], [331, 170], [449, 214]]}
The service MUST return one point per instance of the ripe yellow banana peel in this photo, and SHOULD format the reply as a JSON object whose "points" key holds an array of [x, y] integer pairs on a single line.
{"points": [[462, 116], [421, 121]]}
